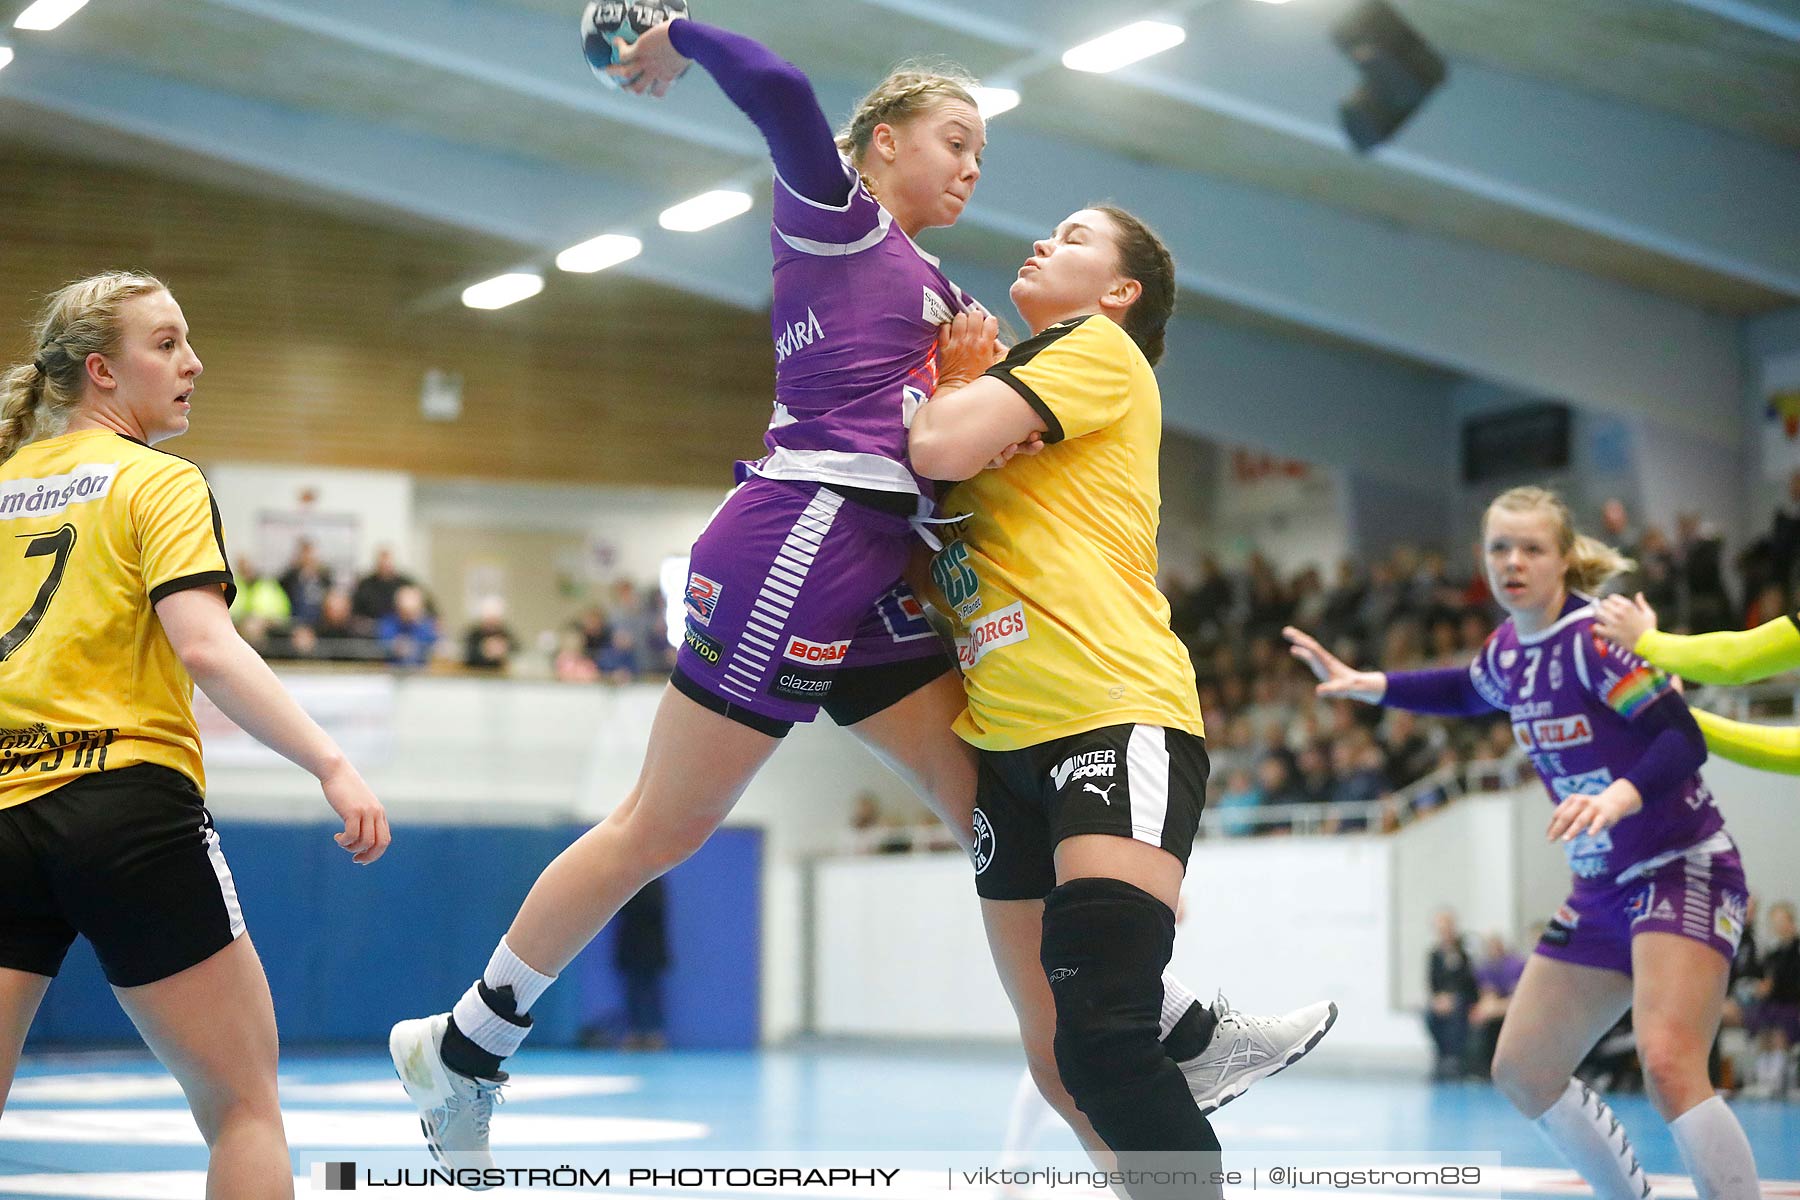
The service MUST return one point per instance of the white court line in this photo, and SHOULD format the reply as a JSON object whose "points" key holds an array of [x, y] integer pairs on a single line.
{"points": [[106, 1087], [330, 1128]]}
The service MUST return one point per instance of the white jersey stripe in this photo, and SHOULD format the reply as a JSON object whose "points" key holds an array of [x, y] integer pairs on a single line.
{"points": [[1147, 781], [227, 885]]}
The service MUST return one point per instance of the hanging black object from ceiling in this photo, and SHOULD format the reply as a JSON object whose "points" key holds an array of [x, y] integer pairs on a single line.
{"points": [[1399, 69]]}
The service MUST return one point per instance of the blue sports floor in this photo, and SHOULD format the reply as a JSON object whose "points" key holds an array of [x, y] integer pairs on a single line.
{"points": [[115, 1127]]}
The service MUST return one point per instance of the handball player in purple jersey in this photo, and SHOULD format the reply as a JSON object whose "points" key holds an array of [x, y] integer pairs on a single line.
{"points": [[1657, 904], [795, 598]]}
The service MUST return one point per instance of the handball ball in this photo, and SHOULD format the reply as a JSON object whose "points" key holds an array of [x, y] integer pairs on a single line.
{"points": [[604, 20]]}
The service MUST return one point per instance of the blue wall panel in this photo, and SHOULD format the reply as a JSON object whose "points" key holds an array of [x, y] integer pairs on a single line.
{"points": [[350, 950]]}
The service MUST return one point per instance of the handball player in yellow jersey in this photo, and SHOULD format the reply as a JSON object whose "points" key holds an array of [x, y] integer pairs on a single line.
{"points": [[1081, 702], [113, 595]]}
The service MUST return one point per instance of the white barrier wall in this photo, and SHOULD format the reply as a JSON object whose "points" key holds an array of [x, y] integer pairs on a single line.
{"points": [[476, 750], [898, 949], [895, 942]]}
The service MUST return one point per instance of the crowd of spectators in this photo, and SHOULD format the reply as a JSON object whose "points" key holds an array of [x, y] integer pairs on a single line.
{"points": [[1271, 740], [1281, 758], [307, 613]]}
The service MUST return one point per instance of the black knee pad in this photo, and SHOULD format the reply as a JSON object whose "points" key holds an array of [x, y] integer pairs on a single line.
{"points": [[1105, 945]]}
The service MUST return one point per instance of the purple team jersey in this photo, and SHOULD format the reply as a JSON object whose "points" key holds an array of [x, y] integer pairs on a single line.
{"points": [[1572, 697], [855, 321], [1669, 868]]}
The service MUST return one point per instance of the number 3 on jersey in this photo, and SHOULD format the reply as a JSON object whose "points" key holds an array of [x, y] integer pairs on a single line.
{"points": [[40, 545], [1534, 658]]}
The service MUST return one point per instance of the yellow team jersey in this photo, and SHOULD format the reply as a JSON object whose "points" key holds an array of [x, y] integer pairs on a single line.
{"points": [[1051, 581], [94, 529]]}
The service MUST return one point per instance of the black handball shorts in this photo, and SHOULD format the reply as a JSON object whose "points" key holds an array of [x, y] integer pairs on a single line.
{"points": [[128, 859]]}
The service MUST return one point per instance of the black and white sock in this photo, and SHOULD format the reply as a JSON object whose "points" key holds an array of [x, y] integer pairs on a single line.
{"points": [[490, 1021]]}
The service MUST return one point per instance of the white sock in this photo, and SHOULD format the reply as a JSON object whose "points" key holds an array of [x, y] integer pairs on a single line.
{"points": [[1588, 1136], [1715, 1151], [1030, 1113], [506, 969], [487, 1028], [1176, 1001]]}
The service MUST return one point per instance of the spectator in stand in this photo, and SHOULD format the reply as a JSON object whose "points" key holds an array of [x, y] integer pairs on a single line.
{"points": [[641, 953], [1275, 780], [1656, 567], [340, 633], [260, 597], [627, 612], [1497, 978], [573, 664], [1770, 604], [1615, 523], [1343, 602], [1473, 630], [409, 633], [1380, 601], [1444, 645], [593, 627], [306, 581], [1410, 752], [618, 658], [1777, 1021], [1784, 542], [1451, 980], [1357, 767], [1700, 554], [1746, 973], [1315, 775], [1240, 796], [1737, 1057], [375, 592], [489, 644]]}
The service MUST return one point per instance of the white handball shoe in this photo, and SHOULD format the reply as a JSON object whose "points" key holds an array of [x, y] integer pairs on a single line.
{"points": [[454, 1109], [1245, 1049]]}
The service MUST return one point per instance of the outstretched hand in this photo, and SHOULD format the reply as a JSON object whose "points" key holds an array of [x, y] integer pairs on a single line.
{"points": [[1337, 680]]}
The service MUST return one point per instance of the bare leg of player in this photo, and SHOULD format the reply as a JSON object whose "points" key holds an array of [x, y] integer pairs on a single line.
{"points": [[213, 1026], [20, 994], [1678, 997], [1557, 1013]]}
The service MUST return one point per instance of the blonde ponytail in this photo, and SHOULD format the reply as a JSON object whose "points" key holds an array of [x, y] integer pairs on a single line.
{"points": [[83, 318], [21, 390], [1591, 561]]}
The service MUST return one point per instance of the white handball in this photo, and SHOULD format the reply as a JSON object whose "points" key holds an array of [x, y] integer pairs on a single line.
{"points": [[604, 21]]}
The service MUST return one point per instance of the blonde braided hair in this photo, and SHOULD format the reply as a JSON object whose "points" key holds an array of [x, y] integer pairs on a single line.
{"points": [[83, 318], [910, 90]]}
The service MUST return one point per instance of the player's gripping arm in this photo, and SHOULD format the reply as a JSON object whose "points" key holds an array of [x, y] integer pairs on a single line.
{"points": [[235, 678], [772, 92], [973, 420], [1723, 658], [1765, 747]]}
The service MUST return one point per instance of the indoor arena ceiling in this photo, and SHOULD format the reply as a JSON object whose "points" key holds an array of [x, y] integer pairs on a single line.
{"points": [[1630, 167]]}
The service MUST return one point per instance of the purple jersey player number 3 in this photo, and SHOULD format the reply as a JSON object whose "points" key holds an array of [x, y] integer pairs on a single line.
{"points": [[1574, 700]]}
